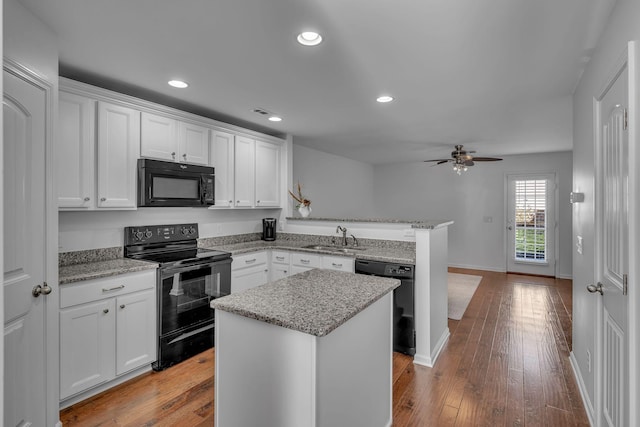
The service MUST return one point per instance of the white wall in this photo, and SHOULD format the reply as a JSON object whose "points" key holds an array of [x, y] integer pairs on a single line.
{"points": [[337, 187], [623, 26], [422, 191], [104, 229]]}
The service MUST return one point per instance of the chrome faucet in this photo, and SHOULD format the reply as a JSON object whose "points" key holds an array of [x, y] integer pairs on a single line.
{"points": [[355, 241], [344, 234]]}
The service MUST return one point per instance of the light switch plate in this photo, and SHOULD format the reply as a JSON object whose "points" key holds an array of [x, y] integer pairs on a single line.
{"points": [[579, 244]]}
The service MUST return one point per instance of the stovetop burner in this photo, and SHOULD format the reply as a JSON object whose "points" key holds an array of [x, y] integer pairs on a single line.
{"points": [[168, 244]]}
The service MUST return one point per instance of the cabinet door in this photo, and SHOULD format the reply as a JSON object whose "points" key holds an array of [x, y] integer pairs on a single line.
{"points": [[76, 151], [279, 271], [136, 337], [267, 174], [194, 143], [222, 159], [87, 341], [244, 172], [158, 137], [118, 152], [248, 278]]}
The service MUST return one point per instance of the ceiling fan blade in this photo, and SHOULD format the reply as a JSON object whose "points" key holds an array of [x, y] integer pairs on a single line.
{"points": [[468, 162], [438, 160], [442, 161], [486, 159]]}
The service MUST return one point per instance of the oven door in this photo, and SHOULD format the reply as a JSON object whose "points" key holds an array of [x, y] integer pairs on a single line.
{"points": [[187, 291]]}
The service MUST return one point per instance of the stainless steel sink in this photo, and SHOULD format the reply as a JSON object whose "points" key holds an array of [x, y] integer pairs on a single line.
{"points": [[334, 248]]}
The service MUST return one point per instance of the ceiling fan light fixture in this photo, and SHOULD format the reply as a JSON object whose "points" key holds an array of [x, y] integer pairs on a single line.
{"points": [[309, 38]]}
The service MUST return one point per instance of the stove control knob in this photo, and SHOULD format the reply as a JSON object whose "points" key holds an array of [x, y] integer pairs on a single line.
{"points": [[139, 235], [192, 230], [148, 234], [185, 231]]}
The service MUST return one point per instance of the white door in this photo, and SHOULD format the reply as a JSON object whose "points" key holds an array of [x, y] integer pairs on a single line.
{"points": [[245, 167], [24, 115], [612, 249], [531, 224]]}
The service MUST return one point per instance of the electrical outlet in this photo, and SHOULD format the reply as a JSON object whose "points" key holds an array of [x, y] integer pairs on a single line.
{"points": [[588, 360]]}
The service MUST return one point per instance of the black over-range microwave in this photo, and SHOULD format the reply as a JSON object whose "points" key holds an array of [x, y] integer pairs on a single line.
{"points": [[174, 184]]}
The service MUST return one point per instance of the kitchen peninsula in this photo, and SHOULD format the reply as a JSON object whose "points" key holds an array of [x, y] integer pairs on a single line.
{"points": [[312, 349]]}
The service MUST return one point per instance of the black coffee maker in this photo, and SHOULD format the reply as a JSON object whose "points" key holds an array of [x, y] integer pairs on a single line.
{"points": [[268, 229]]}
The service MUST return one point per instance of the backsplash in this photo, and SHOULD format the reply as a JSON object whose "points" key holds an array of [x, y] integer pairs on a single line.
{"points": [[90, 255]]}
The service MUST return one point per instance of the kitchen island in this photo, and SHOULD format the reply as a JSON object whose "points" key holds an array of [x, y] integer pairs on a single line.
{"points": [[312, 349]]}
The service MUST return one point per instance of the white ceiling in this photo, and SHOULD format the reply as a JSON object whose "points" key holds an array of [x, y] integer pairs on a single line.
{"points": [[494, 75]]}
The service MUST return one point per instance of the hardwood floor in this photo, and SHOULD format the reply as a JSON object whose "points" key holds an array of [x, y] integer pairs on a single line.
{"points": [[506, 364]]}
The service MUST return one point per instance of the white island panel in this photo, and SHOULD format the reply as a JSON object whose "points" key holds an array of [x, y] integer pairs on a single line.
{"points": [[267, 375]]}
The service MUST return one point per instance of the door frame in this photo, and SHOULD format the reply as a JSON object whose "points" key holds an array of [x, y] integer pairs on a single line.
{"points": [[629, 59], [51, 304], [554, 197]]}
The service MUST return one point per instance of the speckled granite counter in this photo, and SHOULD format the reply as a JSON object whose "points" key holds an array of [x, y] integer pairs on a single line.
{"points": [[96, 263], [429, 224], [314, 302], [370, 249]]}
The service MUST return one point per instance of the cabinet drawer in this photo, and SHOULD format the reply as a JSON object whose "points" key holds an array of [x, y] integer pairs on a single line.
{"points": [[306, 260], [249, 260], [338, 263], [106, 287], [280, 257]]}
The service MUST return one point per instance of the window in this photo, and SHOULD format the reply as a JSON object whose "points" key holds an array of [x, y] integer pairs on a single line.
{"points": [[530, 220]]}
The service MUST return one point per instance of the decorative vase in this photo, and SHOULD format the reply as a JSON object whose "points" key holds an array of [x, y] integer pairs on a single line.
{"points": [[305, 211]]}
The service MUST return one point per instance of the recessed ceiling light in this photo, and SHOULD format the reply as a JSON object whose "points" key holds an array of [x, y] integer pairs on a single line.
{"points": [[309, 38], [384, 98], [275, 119], [178, 83]]}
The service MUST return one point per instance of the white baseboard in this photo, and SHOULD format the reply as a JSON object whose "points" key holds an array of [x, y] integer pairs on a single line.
{"points": [[479, 267], [430, 360], [583, 389], [564, 276]]}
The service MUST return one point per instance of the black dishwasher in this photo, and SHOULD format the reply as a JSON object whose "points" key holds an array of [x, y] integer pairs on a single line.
{"points": [[404, 335]]}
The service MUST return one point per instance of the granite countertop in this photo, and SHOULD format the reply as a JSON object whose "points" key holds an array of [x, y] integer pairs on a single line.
{"points": [[97, 269], [424, 224], [314, 302], [401, 254]]}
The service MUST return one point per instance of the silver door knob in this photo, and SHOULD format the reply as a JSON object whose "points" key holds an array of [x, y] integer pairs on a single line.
{"points": [[184, 156], [105, 311], [103, 199], [595, 288], [509, 228], [122, 305], [86, 199], [173, 154], [43, 289]]}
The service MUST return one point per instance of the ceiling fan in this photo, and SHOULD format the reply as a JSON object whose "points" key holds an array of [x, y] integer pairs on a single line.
{"points": [[462, 159]]}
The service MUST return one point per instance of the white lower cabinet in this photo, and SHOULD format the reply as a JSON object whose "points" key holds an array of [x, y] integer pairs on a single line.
{"points": [[340, 263], [107, 329], [280, 265], [248, 271]]}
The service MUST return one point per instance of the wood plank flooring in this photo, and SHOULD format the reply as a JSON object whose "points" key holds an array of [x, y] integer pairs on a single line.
{"points": [[506, 364]]}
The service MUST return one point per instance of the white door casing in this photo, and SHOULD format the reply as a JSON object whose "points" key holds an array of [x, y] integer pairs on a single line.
{"points": [[545, 226], [25, 136], [613, 198]]}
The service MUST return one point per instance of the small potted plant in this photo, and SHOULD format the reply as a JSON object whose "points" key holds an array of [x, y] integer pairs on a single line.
{"points": [[304, 204]]}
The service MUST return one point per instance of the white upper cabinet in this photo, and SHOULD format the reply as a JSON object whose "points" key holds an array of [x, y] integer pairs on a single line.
{"points": [[222, 159], [267, 176], [165, 138], [76, 151], [244, 173], [118, 152], [159, 137], [194, 143], [248, 172]]}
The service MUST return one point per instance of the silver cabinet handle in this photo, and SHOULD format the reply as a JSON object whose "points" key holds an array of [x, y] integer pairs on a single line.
{"points": [[105, 311], [184, 156], [238, 202], [305, 261], [103, 199], [595, 288], [230, 202], [173, 154], [122, 305], [280, 258], [115, 288], [257, 202], [86, 199], [336, 265], [249, 261]]}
